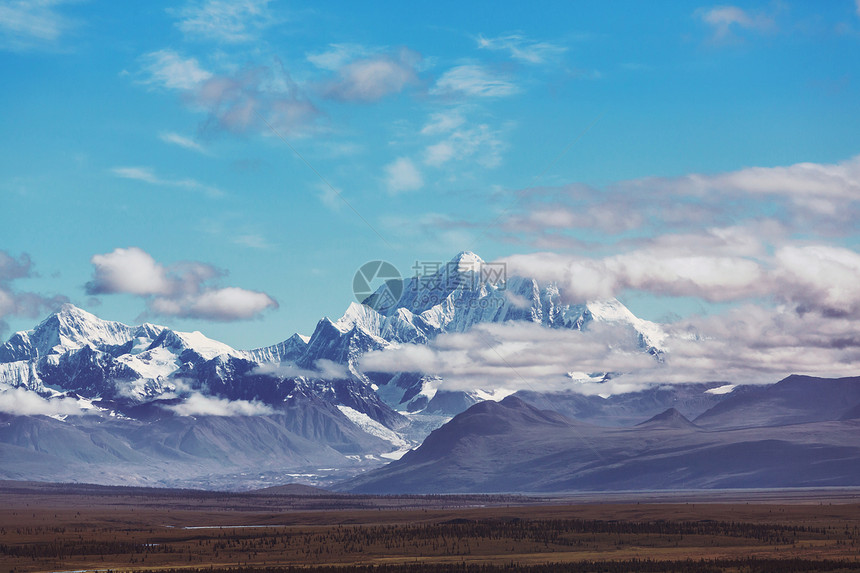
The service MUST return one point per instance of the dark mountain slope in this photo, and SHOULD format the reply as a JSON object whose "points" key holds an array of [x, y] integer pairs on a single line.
{"points": [[794, 400], [513, 447]]}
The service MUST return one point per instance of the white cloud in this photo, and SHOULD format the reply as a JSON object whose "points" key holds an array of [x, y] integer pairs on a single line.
{"points": [[223, 304], [147, 175], [473, 80], [181, 141], [443, 122], [252, 241], [819, 277], [323, 369], [749, 344], [475, 143], [168, 69], [371, 79], [807, 277], [516, 356], [181, 290], [726, 20], [31, 24], [805, 197], [758, 344], [402, 175], [337, 56], [131, 271], [200, 405], [521, 48], [23, 402], [229, 21], [810, 185], [439, 153], [330, 197]]}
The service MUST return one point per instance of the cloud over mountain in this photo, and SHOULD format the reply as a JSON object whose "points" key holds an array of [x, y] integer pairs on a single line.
{"points": [[183, 290]]}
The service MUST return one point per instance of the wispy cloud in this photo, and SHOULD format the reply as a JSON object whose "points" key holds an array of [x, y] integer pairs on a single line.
{"points": [[402, 175], [461, 141], [252, 240], [330, 197], [227, 21], [182, 290], [182, 141], [168, 69], [801, 197], [201, 405], [32, 24], [339, 55], [521, 48], [370, 79], [473, 80], [726, 21], [147, 175], [323, 369], [237, 102], [443, 122]]}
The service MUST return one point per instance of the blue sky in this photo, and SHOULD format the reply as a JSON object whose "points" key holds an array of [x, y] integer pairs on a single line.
{"points": [[148, 170]]}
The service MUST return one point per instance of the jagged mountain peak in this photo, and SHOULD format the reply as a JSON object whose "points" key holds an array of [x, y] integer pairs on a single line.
{"points": [[467, 261], [70, 314], [288, 350], [195, 341], [67, 329]]}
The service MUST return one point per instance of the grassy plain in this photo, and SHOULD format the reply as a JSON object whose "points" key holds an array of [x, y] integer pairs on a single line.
{"points": [[77, 528]]}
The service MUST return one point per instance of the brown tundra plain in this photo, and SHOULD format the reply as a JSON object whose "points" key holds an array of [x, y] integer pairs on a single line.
{"points": [[86, 528]]}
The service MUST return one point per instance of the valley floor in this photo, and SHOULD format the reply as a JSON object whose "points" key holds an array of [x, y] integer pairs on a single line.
{"points": [[46, 527]]}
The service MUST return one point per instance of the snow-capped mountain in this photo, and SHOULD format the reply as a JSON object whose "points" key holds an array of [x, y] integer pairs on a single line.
{"points": [[72, 328], [460, 294], [75, 351], [467, 291], [87, 399], [79, 368]]}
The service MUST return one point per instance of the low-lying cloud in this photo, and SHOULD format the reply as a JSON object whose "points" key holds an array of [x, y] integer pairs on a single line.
{"points": [[323, 369], [202, 405], [23, 402], [749, 344]]}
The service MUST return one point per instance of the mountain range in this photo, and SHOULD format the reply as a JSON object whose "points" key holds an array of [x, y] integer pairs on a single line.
{"points": [[511, 446], [89, 400]]}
